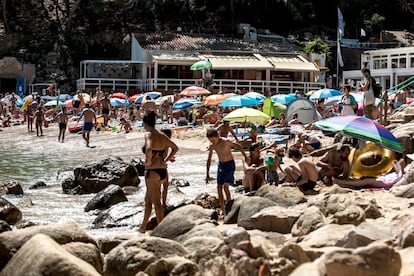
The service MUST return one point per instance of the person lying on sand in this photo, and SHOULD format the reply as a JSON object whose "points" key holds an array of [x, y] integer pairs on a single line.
{"points": [[384, 181]]}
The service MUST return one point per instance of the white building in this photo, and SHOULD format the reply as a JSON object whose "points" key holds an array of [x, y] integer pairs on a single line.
{"points": [[388, 66]]}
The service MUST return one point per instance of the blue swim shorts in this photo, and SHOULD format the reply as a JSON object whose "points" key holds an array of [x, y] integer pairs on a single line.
{"points": [[225, 172], [87, 126]]}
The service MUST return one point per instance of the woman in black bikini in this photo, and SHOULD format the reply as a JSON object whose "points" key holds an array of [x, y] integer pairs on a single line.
{"points": [[155, 165]]}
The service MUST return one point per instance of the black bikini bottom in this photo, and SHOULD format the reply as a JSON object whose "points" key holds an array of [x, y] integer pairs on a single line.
{"points": [[161, 172]]}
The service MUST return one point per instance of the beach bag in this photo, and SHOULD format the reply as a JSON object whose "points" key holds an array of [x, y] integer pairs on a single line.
{"points": [[375, 88]]}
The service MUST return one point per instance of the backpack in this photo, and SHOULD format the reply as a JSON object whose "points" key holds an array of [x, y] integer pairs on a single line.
{"points": [[375, 88]]}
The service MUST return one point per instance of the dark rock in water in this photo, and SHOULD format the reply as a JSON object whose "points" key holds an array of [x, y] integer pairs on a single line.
{"points": [[12, 187], [25, 224], [97, 176], [112, 195], [139, 165], [9, 212], [4, 226], [37, 185]]}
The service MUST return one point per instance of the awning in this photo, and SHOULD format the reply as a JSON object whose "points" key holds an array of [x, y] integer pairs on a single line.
{"points": [[175, 59], [292, 63], [238, 62]]}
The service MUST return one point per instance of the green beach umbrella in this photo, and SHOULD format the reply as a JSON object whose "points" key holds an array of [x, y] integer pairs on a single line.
{"points": [[202, 64]]}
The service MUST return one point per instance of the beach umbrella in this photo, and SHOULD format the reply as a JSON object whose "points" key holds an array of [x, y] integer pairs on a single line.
{"points": [[239, 100], [325, 93], [68, 103], [185, 103], [64, 97], [134, 97], [161, 100], [202, 64], [118, 102], [86, 97], [255, 95], [283, 98], [247, 114], [195, 91], [361, 128], [118, 95], [53, 103], [214, 99], [153, 95]]}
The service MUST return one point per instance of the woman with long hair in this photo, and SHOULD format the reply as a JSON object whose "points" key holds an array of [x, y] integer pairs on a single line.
{"points": [[155, 167]]}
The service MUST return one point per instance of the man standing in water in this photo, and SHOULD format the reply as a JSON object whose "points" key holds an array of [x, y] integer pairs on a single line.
{"points": [[226, 166], [106, 108], [89, 119], [62, 118]]}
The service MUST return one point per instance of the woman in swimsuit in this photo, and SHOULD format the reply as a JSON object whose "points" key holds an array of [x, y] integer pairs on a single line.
{"points": [[155, 165]]}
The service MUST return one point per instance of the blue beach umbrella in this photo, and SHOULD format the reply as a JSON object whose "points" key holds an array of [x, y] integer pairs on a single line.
{"points": [[118, 102], [255, 95], [239, 101], [64, 97], [325, 93], [185, 103], [283, 98], [153, 96]]}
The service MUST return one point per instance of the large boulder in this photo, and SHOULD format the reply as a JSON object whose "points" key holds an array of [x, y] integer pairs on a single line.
{"points": [[376, 259], [9, 212], [97, 176], [11, 241], [311, 219], [41, 255], [11, 187], [406, 238], [406, 191], [182, 220], [120, 215], [88, 252], [282, 196], [136, 254], [276, 219], [174, 266], [404, 132], [10, 68], [111, 195]]}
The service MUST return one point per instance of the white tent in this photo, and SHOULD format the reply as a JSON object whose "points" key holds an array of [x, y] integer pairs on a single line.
{"points": [[306, 111]]}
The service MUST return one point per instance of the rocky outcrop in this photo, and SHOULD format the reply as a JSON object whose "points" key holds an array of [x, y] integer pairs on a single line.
{"points": [[111, 195], [10, 68], [95, 177], [11, 187], [8, 212]]}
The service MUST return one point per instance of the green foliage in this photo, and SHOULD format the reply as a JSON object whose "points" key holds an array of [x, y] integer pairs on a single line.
{"points": [[317, 46]]}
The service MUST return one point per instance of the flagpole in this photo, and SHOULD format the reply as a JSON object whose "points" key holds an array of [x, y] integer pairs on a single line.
{"points": [[337, 58]]}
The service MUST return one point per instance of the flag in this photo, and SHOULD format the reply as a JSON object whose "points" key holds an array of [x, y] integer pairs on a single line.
{"points": [[341, 24], [363, 33], [340, 60]]}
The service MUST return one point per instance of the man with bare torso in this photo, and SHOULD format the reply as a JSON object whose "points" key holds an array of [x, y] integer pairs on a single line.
{"points": [[224, 129], [304, 174], [106, 108], [89, 119], [226, 165], [335, 163]]}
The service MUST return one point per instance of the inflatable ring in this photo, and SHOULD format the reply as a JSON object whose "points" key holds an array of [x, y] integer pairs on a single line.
{"points": [[372, 161], [26, 103]]}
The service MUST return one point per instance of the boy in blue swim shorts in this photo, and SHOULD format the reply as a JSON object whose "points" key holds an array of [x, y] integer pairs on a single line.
{"points": [[89, 120], [226, 166]]}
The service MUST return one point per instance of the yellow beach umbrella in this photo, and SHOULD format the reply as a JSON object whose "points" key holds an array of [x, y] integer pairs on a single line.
{"points": [[247, 114]]}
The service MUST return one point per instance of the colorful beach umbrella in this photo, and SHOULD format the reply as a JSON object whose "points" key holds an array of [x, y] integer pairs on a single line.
{"points": [[153, 95], [195, 91], [283, 98], [118, 102], [118, 95], [185, 103], [214, 99], [202, 64], [134, 97], [247, 114], [361, 128], [255, 95], [239, 100], [325, 93]]}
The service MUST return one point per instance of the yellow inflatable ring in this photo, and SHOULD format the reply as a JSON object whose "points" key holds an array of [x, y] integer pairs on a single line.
{"points": [[372, 161]]}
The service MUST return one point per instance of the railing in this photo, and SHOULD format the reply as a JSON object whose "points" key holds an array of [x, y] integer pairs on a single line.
{"points": [[180, 84]]}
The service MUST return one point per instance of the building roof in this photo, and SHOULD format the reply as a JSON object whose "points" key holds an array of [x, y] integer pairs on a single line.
{"points": [[207, 42], [404, 37]]}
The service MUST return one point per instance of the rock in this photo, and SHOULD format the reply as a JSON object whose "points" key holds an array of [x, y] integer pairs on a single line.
{"points": [[282, 196], [309, 221], [308, 269], [182, 220], [120, 215], [406, 238], [276, 219], [328, 235], [38, 185], [408, 177], [10, 68], [4, 226], [25, 202], [106, 244], [235, 235], [9, 212], [268, 243], [174, 265], [246, 206], [136, 254], [371, 208], [220, 266], [406, 191], [335, 189], [368, 232], [97, 176], [129, 190], [11, 241], [376, 259], [207, 201], [12, 187], [139, 165], [87, 252], [294, 252], [206, 229], [195, 244], [41, 255], [340, 208], [111, 195], [407, 261]]}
